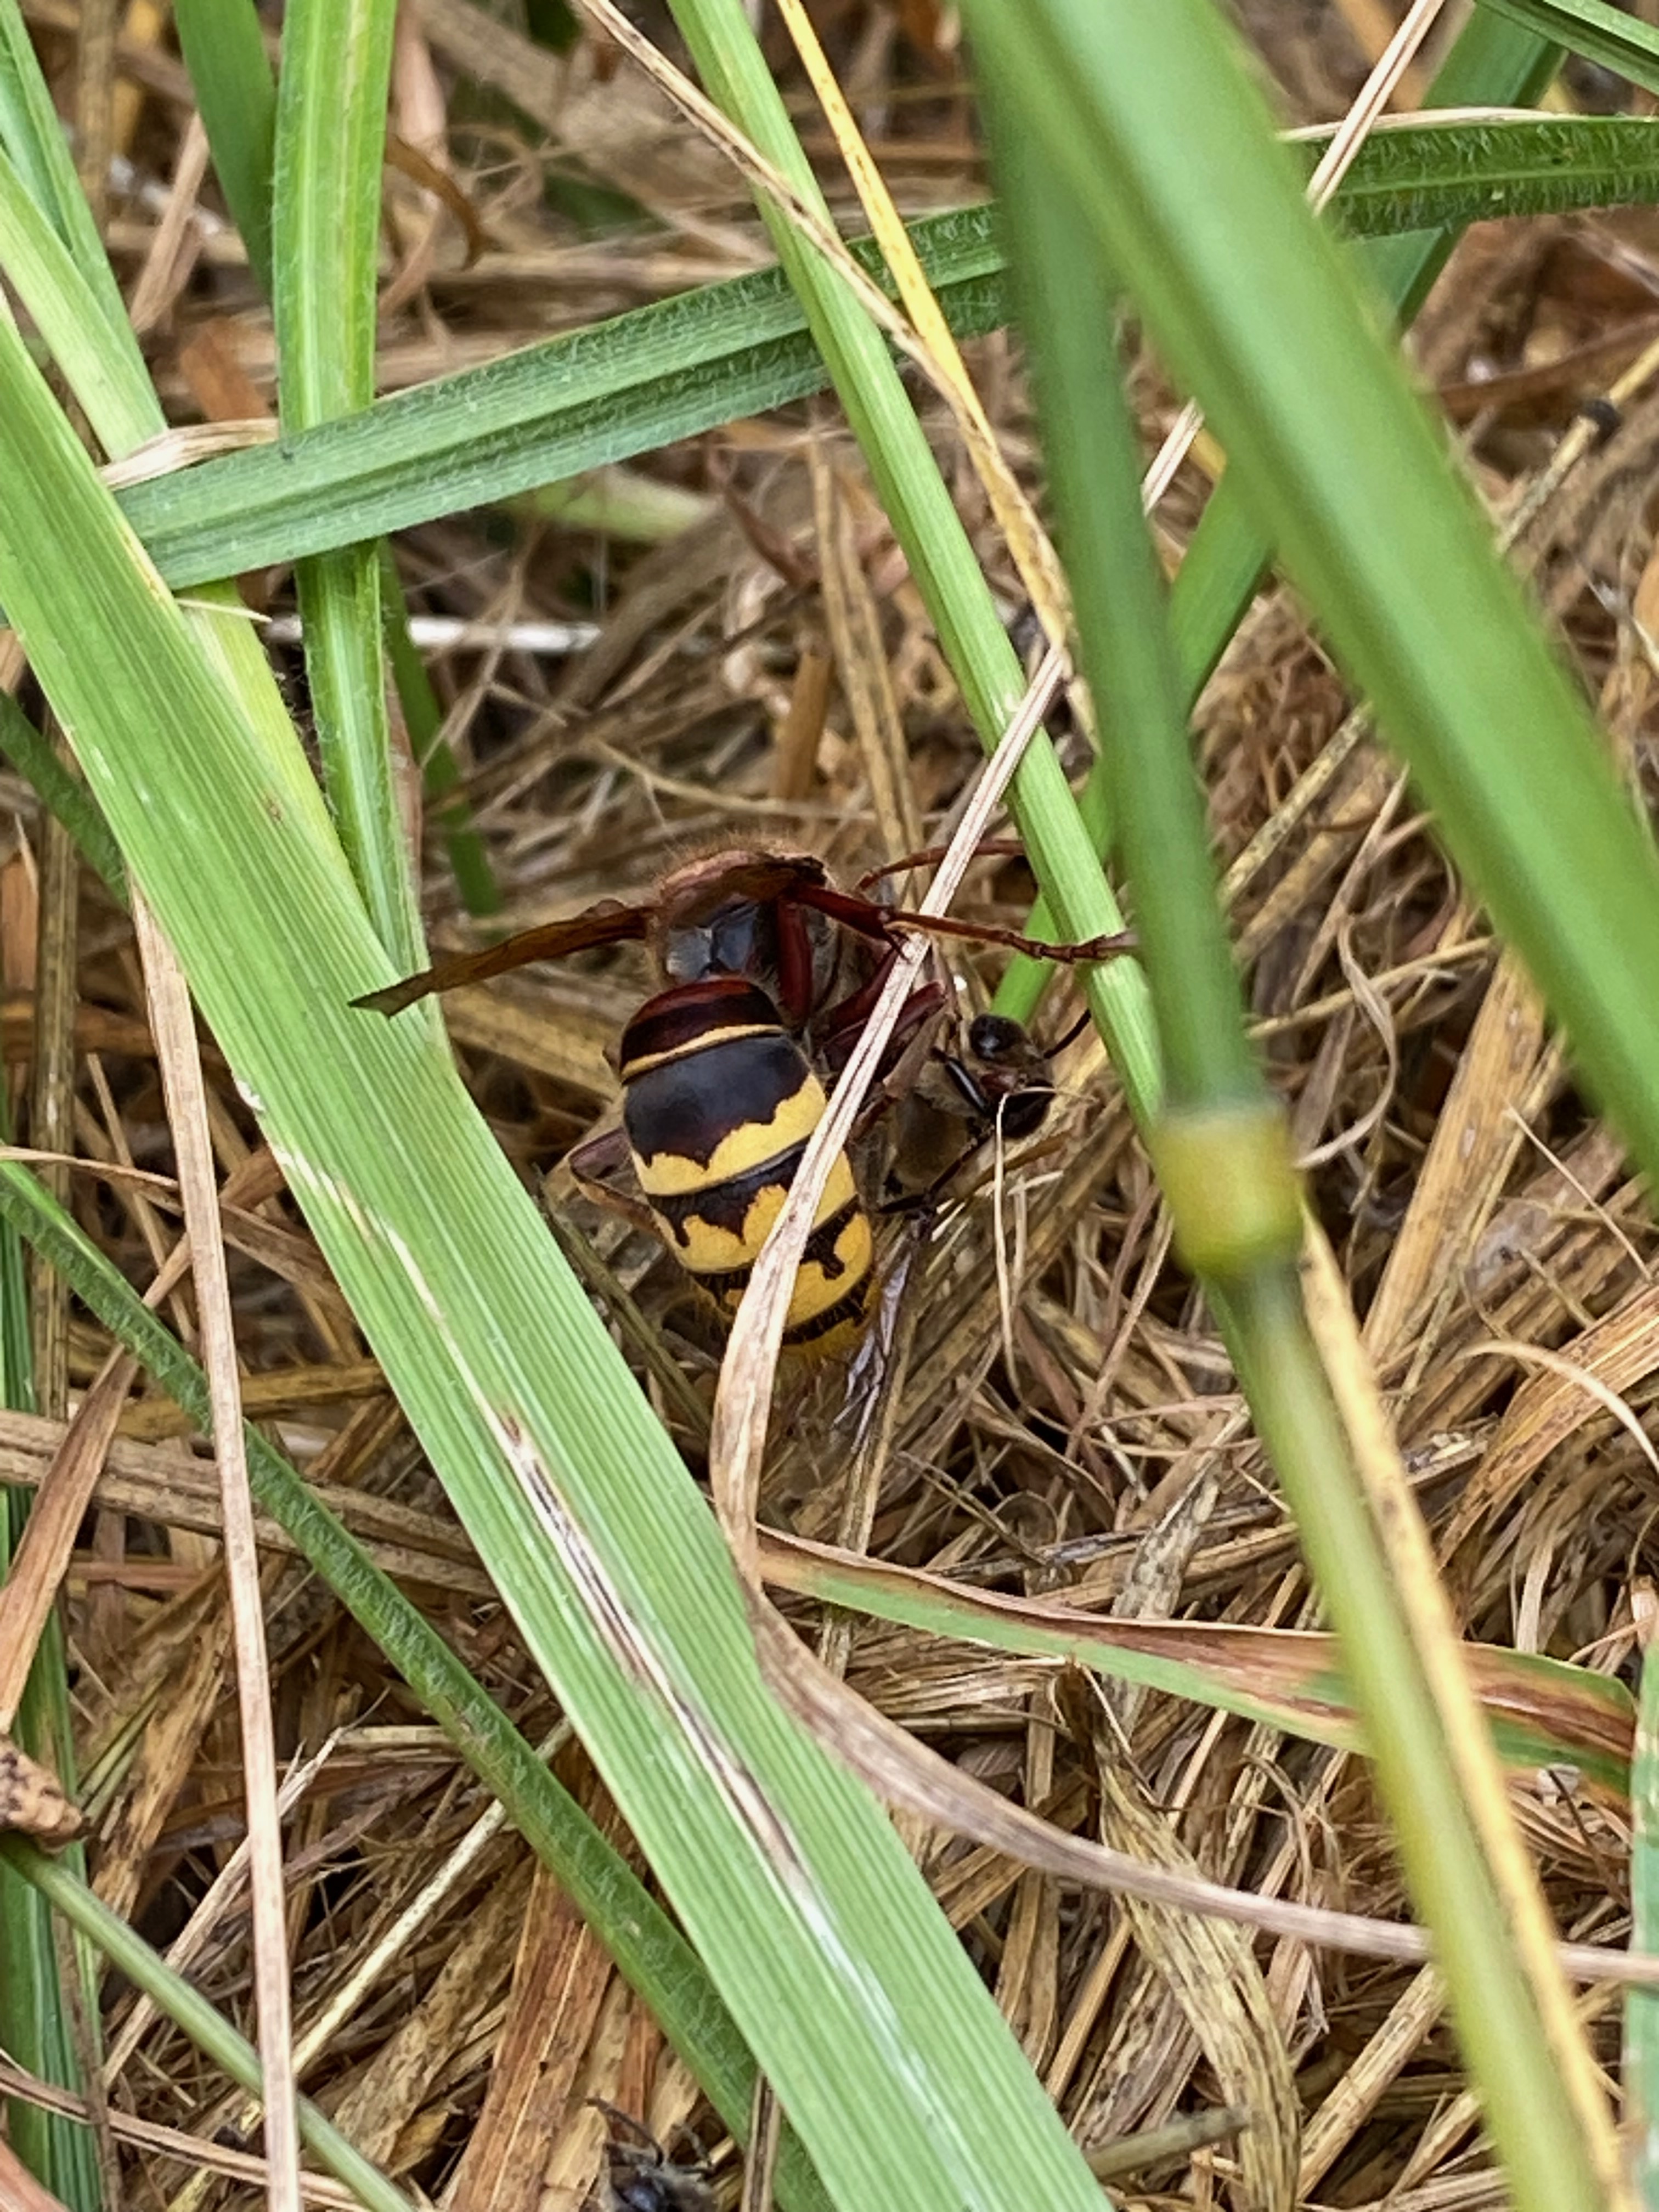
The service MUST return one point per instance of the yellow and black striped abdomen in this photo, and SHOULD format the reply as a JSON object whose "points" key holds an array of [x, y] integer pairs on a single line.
{"points": [[719, 1103]]}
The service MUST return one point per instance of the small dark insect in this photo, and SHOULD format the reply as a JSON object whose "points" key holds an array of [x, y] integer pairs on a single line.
{"points": [[993, 1083], [1004, 1078], [641, 2177], [770, 973]]}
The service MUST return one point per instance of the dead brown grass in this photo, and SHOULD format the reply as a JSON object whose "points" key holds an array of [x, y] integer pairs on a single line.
{"points": [[1068, 1421]]}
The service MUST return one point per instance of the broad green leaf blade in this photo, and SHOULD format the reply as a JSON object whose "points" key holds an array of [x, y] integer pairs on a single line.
{"points": [[105, 373], [813, 1920], [109, 382], [1443, 176], [553, 411]]}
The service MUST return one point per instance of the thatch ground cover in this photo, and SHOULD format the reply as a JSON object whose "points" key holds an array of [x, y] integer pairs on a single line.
{"points": [[760, 668]]}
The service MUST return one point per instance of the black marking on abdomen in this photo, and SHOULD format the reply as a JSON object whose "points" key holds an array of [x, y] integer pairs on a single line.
{"points": [[690, 1106], [725, 1205], [820, 1252], [849, 1308]]}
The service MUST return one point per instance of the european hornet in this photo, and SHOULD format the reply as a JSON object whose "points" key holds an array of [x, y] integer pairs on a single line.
{"points": [[770, 973]]}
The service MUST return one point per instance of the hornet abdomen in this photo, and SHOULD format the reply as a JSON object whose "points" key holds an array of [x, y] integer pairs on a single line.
{"points": [[719, 1102]]}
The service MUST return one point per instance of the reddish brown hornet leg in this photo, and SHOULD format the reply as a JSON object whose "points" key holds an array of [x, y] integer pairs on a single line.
{"points": [[988, 848], [1091, 948]]}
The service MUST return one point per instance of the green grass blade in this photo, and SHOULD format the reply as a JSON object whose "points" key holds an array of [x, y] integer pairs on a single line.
{"points": [[101, 363], [59, 789], [440, 775], [1123, 616], [343, 629], [1599, 33], [236, 94], [32, 136], [331, 136], [1443, 176], [1543, 1712], [208, 2028], [36, 2025], [942, 559], [109, 382], [224, 51], [1641, 2054], [1493, 64], [726, 351], [617, 389]]}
